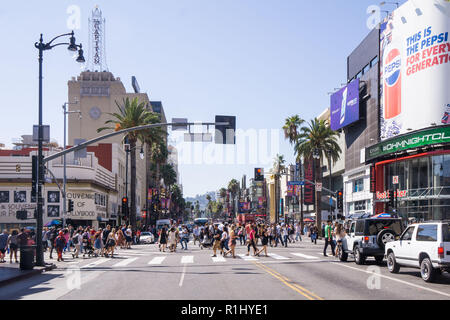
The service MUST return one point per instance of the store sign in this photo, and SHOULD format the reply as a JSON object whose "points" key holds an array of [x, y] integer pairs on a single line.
{"points": [[414, 67], [409, 141], [87, 205], [384, 195]]}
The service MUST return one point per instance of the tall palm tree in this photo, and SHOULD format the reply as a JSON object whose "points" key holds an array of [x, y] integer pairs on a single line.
{"points": [[291, 126], [317, 139], [132, 114], [233, 188], [278, 168], [209, 206]]}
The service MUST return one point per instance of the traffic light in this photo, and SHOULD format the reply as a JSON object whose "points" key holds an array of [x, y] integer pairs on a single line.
{"points": [[21, 215], [70, 206], [340, 200], [225, 134], [125, 206], [391, 199], [259, 174]]}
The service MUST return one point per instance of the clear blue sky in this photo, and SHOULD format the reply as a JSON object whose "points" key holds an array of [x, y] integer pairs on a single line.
{"points": [[261, 60]]}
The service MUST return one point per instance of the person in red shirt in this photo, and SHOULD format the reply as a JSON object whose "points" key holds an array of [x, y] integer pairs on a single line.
{"points": [[251, 237]]}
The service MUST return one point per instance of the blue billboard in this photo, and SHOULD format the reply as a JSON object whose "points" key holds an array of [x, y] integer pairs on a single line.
{"points": [[344, 107]]}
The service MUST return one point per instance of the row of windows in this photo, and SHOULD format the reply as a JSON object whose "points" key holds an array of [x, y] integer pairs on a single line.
{"points": [[21, 197], [366, 69]]}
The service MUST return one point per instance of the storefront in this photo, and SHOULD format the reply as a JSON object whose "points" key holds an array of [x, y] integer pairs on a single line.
{"points": [[416, 167]]}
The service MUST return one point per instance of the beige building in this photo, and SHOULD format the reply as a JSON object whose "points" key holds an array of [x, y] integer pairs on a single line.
{"points": [[97, 95]]}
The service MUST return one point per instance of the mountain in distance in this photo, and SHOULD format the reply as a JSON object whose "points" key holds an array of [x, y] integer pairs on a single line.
{"points": [[202, 199]]}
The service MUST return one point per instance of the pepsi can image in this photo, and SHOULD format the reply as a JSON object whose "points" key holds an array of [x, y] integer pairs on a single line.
{"points": [[392, 85]]}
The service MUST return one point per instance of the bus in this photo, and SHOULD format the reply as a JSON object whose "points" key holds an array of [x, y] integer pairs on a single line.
{"points": [[200, 221]]}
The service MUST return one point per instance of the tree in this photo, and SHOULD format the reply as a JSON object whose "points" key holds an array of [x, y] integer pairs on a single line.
{"points": [[131, 114], [290, 128], [168, 174], [233, 188], [317, 141], [278, 169]]}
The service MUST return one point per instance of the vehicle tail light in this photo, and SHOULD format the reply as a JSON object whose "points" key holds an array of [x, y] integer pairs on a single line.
{"points": [[441, 252], [366, 239]]}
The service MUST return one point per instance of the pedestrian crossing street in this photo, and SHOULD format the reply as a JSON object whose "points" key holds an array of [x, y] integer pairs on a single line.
{"points": [[149, 259]]}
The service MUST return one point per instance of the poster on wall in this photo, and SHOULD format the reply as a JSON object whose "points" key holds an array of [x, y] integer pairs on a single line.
{"points": [[415, 67], [53, 197], [309, 196], [53, 211]]}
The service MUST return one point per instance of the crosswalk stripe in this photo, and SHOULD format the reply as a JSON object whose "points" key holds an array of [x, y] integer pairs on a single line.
{"points": [[247, 258], [95, 263], [157, 260], [277, 257], [124, 262], [303, 255], [218, 259], [187, 259]]}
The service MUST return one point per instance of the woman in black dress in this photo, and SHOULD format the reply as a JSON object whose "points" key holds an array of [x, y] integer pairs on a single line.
{"points": [[162, 240], [264, 241]]}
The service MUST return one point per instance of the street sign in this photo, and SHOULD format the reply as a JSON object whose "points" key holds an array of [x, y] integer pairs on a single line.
{"points": [[82, 153], [296, 183], [181, 124], [395, 180], [318, 186], [45, 133]]}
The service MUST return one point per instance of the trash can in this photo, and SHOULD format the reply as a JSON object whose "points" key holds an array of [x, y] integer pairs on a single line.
{"points": [[27, 254]]}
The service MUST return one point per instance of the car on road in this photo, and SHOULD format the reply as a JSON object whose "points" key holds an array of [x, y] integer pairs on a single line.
{"points": [[367, 237], [147, 237], [422, 245]]}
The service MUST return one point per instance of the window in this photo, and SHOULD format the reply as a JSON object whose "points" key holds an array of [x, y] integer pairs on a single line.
{"points": [[377, 225], [446, 233], [366, 69], [358, 185], [360, 205], [427, 232], [359, 231], [374, 62], [352, 228], [408, 234]]}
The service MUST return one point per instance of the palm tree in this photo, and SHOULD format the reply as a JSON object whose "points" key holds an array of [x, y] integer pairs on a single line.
{"points": [[209, 206], [223, 193], [290, 128], [233, 188], [278, 168], [169, 175], [132, 114], [318, 140]]}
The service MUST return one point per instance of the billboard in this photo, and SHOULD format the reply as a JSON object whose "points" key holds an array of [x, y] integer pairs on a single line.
{"points": [[415, 67], [344, 106]]}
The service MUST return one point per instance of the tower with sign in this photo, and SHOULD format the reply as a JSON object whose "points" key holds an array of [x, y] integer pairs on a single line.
{"points": [[97, 45]]}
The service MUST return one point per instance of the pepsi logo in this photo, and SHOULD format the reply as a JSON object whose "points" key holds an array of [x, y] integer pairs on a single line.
{"points": [[392, 69]]}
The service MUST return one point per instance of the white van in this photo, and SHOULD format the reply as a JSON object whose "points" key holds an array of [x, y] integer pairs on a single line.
{"points": [[162, 223]]}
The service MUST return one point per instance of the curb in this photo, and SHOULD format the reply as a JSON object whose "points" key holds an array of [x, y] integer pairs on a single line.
{"points": [[26, 275]]}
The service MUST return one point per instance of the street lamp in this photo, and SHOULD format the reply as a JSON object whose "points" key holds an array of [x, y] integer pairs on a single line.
{"points": [[41, 46], [65, 112], [382, 3]]}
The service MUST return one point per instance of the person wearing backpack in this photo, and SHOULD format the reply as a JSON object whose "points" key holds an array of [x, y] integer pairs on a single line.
{"points": [[77, 239], [60, 243], [51, 238]]}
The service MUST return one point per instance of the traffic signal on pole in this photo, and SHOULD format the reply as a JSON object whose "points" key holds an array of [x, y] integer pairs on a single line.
{"points": [[391, 199], [70, 206], [225, 134], [125, 206], [340, 200], [21, 215], [259, 174]]}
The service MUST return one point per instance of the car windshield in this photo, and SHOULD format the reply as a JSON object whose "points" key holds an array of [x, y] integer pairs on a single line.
{"points": [[145, 234], [446, 232], [377, 225]]}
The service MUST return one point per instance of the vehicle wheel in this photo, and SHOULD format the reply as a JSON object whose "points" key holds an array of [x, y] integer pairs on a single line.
{"points": [[359, 258], [427, 271], [392, 264], [384, 237], [343, 255], [379, 259]]}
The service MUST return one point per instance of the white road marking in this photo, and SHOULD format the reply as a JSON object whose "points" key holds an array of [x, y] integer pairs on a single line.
{"points": [[301, 255], [277, 257], [247, 258], [182, 276], [124, 262], [394, 279], [157, 260], [95, 263], [187, 259], [218, 259]]}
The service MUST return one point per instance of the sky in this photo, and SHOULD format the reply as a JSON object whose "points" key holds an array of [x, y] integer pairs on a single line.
{"points": [[259, 60]]}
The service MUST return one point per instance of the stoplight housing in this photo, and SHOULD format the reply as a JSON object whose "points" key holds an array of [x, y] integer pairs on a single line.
{"points": [[391, 199], [125, 206], [21, 215], [70, 206], [340, 200], [259, 174]]}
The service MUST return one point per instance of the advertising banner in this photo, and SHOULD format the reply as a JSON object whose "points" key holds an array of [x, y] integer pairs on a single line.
{"points": [[344, 106], [309, 196], [415, 67]]}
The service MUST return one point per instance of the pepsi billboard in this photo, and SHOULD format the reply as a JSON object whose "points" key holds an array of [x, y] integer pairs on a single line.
{"points": [[415, 67], [344, 106]]}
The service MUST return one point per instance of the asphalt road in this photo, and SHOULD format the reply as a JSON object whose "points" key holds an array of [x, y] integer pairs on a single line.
{"points": [[299, 272]]}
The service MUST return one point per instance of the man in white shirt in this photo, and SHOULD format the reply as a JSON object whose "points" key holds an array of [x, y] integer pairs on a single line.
{"points": [[298, 232]]}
